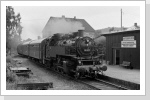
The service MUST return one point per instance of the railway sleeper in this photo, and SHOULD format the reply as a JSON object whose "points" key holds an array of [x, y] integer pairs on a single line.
{"points": [[35, 86], [21, 71]]}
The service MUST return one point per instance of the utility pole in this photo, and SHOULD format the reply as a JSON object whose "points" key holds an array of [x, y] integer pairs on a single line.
{"points": [[121, 19]]}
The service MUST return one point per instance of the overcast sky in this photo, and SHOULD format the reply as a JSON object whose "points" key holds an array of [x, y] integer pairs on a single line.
{"points": [[35, 18]]}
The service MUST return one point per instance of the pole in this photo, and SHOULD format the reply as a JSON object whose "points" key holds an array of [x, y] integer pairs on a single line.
{"points": [[121, 19]]}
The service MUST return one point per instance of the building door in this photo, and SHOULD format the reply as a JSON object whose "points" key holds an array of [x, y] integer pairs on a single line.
{"points": [[117, 57]]}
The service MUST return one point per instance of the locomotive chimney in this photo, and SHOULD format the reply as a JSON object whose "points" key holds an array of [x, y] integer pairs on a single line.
{"points": [[81, 31]]}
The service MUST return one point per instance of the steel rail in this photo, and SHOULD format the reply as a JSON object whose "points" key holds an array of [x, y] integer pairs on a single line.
{"points": [[112, 84]]}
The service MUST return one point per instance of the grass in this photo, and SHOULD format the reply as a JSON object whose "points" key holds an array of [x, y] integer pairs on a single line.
{"points": [[12, 79]]}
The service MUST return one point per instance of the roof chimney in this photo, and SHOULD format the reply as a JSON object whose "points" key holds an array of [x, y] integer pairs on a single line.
{"points": [[135, 24], [63, 16], [74, 17], [39, 37]]}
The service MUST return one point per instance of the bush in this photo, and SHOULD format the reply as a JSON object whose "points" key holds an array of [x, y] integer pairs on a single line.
{"points": [[8, 59], [11, 86], [10, 62], [11, 77]]}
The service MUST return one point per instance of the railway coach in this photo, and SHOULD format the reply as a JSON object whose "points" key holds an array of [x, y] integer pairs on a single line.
{"points": [[19, 49], [23, 49], [36, 49]]}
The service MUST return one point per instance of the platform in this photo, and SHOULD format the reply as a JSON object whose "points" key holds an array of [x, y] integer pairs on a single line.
{"points": [[119, 72], [123, 76]]}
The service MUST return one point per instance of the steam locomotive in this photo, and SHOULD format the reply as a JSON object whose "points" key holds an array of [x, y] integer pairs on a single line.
{"points": [[71, 54]]}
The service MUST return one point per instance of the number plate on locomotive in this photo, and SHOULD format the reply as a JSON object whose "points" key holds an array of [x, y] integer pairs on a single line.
{"points": [[86, 49]]}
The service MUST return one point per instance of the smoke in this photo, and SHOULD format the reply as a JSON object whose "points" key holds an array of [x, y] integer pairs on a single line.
{"points": [[62, 25], [32, 29], [100, 40]]}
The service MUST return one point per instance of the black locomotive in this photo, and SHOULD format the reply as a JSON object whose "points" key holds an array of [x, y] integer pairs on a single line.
{"points": [[70, 54]]}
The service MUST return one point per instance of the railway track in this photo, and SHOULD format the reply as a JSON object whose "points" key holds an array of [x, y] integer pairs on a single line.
{"points": [[100, 84], [95, 84]]}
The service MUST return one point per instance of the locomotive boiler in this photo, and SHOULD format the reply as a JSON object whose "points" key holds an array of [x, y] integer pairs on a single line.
{"points": [[71, 54]]}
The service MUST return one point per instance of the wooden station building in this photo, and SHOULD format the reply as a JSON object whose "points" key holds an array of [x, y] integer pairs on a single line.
{"points": [[123, 46]]}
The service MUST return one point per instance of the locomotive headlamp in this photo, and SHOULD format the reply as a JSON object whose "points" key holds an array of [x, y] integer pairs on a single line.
{"points": [[80, 63]]}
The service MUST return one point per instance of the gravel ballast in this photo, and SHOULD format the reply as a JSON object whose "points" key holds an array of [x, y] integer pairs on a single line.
{"points": [[46, 75]]}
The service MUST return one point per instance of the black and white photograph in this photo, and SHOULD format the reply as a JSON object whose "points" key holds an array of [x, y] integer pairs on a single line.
{"points": [[52, 46]]}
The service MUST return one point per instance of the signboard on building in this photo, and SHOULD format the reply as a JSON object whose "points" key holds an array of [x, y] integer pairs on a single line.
{"points": [[128, 42], [128, 38]]}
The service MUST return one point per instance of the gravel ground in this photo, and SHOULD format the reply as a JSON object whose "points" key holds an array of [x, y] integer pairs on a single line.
{"points": [[43, 75]]}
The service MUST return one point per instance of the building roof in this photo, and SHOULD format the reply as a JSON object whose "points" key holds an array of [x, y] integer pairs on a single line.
{"points": [[112, 30], [26, 43], [109, 29], [37, 41], [133, 28], [111, 33], [87, 27]]}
